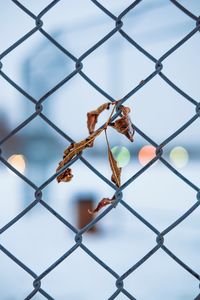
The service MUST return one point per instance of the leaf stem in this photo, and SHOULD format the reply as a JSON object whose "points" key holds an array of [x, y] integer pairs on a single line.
{"points": [[112, 112]]}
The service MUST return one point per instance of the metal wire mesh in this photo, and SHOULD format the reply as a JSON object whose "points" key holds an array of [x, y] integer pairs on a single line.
{"points": [[78, 70]]}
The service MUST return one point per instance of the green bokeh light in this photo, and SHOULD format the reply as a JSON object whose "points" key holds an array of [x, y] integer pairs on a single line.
{"points": [[121, 155]]}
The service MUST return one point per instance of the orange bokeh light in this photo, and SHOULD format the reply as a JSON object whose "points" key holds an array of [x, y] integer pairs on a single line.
{"points": [[146, 154], [18, 162]]}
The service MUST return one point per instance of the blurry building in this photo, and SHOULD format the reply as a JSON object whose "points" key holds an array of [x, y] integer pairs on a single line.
{"points": [[42, 69]]}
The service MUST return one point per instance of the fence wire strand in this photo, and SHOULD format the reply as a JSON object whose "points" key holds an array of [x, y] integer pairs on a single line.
{"points": [[37, 190]]}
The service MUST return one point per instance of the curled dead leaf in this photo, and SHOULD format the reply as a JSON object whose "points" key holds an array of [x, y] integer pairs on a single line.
{"points": [[125, 110], [66, 176], [118, 181], [123, 124], [92, 116], [75, 149], [101, 204], [116, 171]]}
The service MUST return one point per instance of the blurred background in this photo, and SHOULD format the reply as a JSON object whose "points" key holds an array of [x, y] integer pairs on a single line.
{"points": [[119, 239]]}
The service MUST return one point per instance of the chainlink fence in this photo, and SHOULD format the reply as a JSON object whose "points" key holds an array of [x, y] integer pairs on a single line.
{"points": [[79, 70]]}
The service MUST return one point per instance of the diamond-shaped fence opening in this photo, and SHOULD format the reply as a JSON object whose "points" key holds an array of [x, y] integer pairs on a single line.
{"points": [[120, 286]]}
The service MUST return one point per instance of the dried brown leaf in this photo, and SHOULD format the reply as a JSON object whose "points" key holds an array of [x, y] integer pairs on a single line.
{"points": [[66, 176], [124, 124], [75, 149], [125, 110], [92, 116], [101, 204], [116, 172], [113, 178]]}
